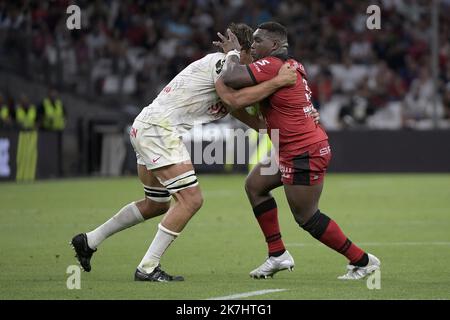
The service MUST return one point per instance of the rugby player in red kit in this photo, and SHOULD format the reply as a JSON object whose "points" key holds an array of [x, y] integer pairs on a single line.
{"points": [[303, 156]]}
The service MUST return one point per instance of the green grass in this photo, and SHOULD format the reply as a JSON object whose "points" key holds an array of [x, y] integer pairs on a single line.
{"points": [[403, 219]]}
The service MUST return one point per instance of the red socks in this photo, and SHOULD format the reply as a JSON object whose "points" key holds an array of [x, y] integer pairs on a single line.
{"points": [[267, 215], [321, 227]]}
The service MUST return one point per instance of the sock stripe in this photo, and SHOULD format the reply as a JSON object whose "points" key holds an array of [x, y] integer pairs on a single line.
{"points": [[273, 237], [345, 246], [329, 233], [317, 224], [264, 207]]}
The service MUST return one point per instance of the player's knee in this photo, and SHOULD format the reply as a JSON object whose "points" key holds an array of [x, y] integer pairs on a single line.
{"points": [[299, 219], [186, 190], [192, 199], [303, 215]]}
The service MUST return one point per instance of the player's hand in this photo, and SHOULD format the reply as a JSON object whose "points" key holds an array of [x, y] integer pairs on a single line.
{"points": [[315, 115], [228, 44], [287, 75]]}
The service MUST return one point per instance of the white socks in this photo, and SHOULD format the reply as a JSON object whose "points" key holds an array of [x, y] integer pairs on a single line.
{"points": [[160, 243], [127, 217]]}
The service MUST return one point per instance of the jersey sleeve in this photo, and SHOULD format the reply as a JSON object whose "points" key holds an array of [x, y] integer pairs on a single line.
{"points": [[264, 69], [217, 66]]}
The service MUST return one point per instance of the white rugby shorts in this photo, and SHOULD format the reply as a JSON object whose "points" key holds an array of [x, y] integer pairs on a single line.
{"points": [[157, 146]]}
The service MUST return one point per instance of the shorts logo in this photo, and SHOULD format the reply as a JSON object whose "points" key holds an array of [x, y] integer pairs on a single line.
{"points": [[156, 159], [286, 172], [325, 151], [286, 175], [133, 132]]}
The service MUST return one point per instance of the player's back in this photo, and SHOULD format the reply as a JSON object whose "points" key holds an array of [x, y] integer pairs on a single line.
{"points": [[190, 97]]}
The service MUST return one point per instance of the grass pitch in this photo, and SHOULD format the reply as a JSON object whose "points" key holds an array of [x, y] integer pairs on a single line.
{"points": [[403, 219]]}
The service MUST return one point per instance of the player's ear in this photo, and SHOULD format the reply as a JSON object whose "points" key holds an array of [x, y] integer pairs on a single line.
{"points": [[276, 45]]}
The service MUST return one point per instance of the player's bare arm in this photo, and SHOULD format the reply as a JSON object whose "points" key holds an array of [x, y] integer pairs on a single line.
{"points": [[238, 99], [237, 75]]}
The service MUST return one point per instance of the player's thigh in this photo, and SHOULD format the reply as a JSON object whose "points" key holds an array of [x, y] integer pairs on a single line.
{"points": [[258, 182], [147, 177], [157, 198], [181, 181], [303, 200]]}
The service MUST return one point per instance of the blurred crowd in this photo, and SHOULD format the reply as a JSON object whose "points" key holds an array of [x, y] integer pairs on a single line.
{"points": [[132, 48]]}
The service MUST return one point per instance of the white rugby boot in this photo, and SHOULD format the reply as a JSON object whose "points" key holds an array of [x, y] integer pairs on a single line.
{"points": [[356, 273], [272, 265]]}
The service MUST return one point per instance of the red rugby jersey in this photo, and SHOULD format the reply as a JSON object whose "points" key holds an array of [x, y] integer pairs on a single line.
{"points": [[289, 109]]}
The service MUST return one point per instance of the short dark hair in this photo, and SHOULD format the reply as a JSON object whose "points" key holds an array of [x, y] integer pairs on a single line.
{"points": [[275, 28], [244, 33]]}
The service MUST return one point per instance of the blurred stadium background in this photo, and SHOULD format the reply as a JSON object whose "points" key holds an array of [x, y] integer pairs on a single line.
{"points": [[383, 95], [126, 51]]}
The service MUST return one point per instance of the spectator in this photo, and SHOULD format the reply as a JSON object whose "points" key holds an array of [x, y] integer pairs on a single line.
{"points": [[446, 102], [26, 114], [6, 116], [110, 55], [419, 99], [51, 113]]}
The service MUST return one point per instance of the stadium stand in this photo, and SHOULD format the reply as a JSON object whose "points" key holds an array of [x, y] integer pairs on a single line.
{"points": [[130, 49]]}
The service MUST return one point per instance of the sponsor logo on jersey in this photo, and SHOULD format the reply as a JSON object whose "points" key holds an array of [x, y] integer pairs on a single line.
{"points": [[219, 65], [133, 132], [218, 109], [308, 110], [262, 62]]}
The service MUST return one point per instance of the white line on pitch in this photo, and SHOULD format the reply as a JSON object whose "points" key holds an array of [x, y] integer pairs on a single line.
{"points": [[378, 244], [247, 294]]}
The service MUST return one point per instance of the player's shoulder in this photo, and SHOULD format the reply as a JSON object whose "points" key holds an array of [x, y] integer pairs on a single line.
{"points": [[214, 57], [217, 55], [270, 60], [211, 58], [297, 65], [268, 64], [216, 60]]}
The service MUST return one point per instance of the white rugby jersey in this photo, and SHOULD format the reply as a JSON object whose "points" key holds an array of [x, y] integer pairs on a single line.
{"points": [[190, 98]]}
